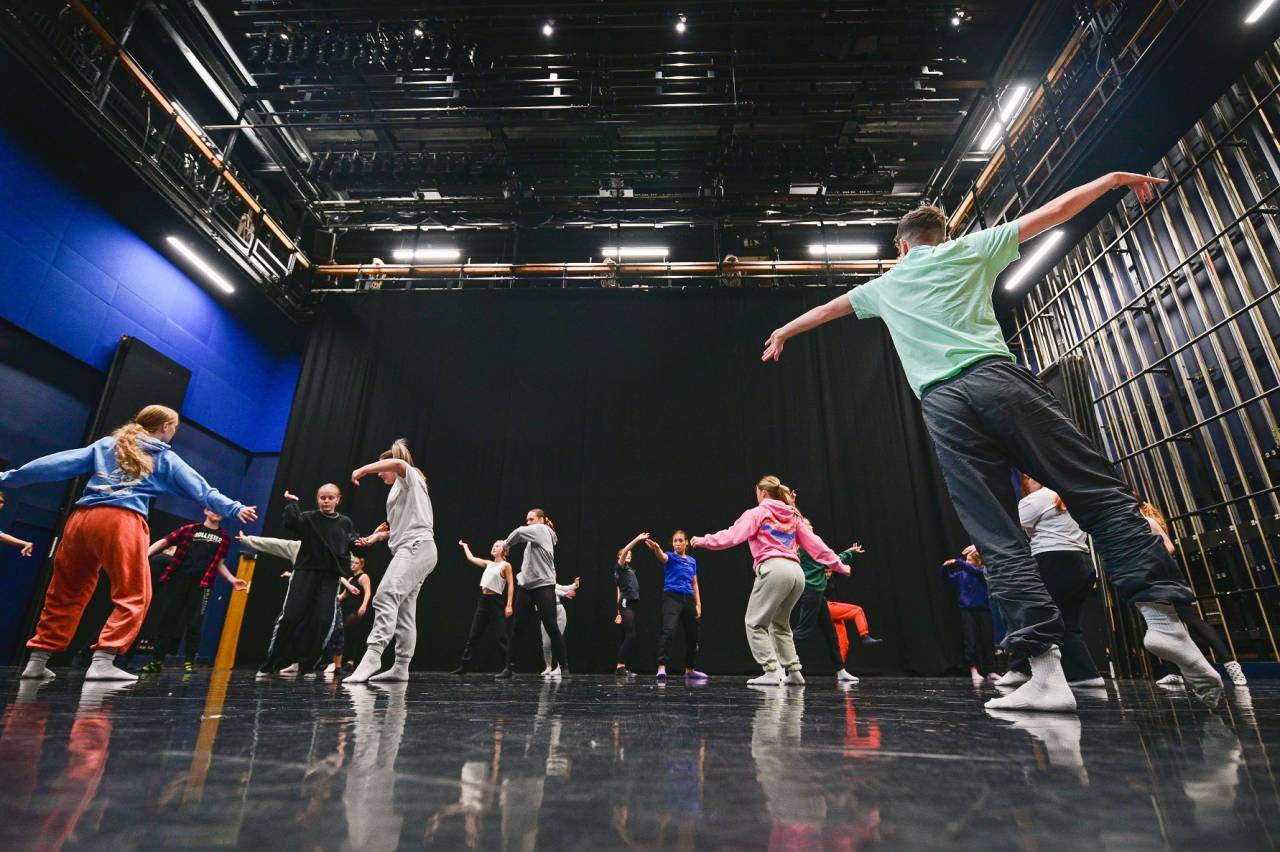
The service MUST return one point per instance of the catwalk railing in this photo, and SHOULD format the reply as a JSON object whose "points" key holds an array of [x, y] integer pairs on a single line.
{"points": [[1176, 310]]}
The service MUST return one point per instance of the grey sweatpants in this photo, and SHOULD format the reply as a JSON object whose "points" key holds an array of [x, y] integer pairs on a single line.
{"points": [[779, 584], [395, 604]]}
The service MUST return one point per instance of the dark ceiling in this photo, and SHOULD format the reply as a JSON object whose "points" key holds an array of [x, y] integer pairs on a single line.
{"points": [[394, 114]]}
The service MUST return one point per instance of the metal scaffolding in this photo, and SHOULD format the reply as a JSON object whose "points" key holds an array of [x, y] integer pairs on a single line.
{"points": [[1175, 310]]}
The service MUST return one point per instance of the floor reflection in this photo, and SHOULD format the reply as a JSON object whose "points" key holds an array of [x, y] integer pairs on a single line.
{"points": [[588, 763]]}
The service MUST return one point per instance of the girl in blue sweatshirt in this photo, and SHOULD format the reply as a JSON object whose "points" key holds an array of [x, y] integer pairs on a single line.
{"points": [[108, 529]]}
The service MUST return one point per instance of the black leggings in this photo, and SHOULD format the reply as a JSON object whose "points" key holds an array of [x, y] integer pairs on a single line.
{"points": [[979, 639], [679, 609], [811, 613], [183, 607], [543, 599], [1069, 577], [627, 609], [490, 609], [1205, 632]]}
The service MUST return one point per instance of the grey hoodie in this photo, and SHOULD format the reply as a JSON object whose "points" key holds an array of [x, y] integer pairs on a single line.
{"points": [[539, 566]]}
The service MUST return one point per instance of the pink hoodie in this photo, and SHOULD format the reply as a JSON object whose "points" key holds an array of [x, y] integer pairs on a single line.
{"points": [[772, 530]]}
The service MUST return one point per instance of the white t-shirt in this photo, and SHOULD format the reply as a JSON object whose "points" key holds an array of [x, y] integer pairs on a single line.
{"points": [[1048, 528], [409, 511], [493, 578]]}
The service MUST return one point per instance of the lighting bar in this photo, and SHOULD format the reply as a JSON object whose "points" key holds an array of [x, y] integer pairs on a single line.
{"points": [[1259, 11], [1028, 266], [427, 254], [1013, 100], [634, 251], [834, 249], [201, 264]]}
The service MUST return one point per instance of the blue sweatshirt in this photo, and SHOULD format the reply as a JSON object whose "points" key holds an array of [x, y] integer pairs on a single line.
{"points": [[971, 583], [110, 486]]}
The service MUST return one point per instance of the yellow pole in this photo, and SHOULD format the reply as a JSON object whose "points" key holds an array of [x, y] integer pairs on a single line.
{"points": [[226, 658]]}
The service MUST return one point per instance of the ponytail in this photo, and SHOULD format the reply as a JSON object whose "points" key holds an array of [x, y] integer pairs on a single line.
{"points": [[130, 458], [541, 513], [773, 486], [400, 451]]}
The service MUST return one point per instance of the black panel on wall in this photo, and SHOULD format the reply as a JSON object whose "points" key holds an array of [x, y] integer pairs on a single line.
{"points": [[619, 412], [139, 376]]}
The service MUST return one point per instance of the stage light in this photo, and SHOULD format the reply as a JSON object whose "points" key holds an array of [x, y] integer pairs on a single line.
{"points": [[200, 263], [548, 28], [955, 20], [284, 36], [833, 249], [427, 254], [1013, 101], [1028, 266], [417, 31], [634, 251], [1259, 11], [681, 24]]}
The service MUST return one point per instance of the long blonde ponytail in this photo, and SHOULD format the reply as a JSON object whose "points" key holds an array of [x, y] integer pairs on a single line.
{"points": [[400, 451], [129, 456]]}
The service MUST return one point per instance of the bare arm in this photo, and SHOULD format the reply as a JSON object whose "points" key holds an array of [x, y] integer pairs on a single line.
{"points": [[400, 468], [236, 583], [159, 545], [644, 536], [1072, 202], [807, 321], [24, 546], [511, 587], [471, 557], [697, 598], [657, 550]]}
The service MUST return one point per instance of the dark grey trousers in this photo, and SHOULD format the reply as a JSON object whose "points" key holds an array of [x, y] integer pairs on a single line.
{"points": [[995, 416]]}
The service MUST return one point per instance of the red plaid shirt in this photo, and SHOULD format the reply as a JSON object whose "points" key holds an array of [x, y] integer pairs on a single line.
{"points": [[181, 539]]}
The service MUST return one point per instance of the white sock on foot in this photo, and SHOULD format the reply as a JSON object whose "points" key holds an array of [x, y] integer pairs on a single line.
{"points": [[1046, 691], [369, 665], [1167, 638], [38, 666], [1012, 678], [103, 667], [1235, 673], [794, 678], [398, 672]]}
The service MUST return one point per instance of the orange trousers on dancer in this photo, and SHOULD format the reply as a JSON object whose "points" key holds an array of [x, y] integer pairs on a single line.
{"points": [[842, 612], [106, 537]]}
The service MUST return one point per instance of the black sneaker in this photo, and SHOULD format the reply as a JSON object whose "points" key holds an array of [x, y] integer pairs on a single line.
{"points": [[871, 640], [505, 674]]}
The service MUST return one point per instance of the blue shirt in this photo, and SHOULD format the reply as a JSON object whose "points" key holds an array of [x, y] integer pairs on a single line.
{"points": [[680, 573], [110, 486], [971, 583]]}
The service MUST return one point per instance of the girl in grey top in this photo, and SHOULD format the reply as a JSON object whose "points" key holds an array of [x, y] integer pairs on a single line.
{"points": [[537, 588], [410, 532]]}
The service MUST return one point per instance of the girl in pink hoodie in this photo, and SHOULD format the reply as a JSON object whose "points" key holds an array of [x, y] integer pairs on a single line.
{"points": [[772, 530]]}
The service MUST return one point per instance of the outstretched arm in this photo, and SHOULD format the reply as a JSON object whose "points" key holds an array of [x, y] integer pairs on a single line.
{"points": [[1072, 202], [810, 319], [743, 528], [622, 555], [657, 550], [471, 557]]}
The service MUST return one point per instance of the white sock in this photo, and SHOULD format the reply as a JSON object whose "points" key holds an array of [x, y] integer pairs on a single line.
{"points": [[1167, 638], [369, 665], [38, 666], [398, 671], [103, 667], [1046, 691]]}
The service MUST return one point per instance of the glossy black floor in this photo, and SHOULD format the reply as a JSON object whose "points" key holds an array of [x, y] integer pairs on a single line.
{"points": [[210, 761]]}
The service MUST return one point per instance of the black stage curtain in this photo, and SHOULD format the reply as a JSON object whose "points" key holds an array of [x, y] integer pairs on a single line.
{"points": [[619, 411]]}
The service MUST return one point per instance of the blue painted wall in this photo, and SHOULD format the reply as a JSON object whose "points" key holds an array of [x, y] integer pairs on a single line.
{"points": [[76, 277]]}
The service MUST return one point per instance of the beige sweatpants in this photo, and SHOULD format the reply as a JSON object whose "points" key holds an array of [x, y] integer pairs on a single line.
{"points": [[778, 585]]}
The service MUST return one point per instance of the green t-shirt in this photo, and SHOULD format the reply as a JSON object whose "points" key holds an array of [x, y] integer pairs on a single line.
{"points": [[937, 304]]}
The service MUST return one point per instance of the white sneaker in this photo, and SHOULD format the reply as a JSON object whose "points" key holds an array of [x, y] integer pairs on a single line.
{"points": [[794, 678], [1012, 678], [843, 676], [330, 669], [1170, 680], [554, 674], [1235, 673], [772, 677], [290, 670], [546, 671]]}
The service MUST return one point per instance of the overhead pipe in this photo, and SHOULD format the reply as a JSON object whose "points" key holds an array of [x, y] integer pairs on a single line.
{"points": [[135, 70], [512, 270]]}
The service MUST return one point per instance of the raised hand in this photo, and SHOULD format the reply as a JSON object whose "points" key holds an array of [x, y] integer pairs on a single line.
{"points": [[356, 475], [249, 514], [1142, 185], [857, 548], [291, 497], [773, 345]]}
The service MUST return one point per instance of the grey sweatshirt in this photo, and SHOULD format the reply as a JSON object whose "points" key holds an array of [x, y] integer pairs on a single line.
{"points": [[539, 566]]}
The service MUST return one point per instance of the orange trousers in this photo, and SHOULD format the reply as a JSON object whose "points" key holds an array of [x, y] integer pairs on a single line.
{"points": [[106, 537], [842, 612]]}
